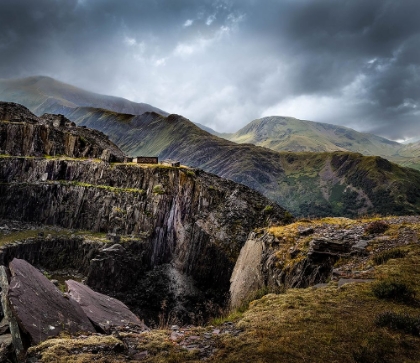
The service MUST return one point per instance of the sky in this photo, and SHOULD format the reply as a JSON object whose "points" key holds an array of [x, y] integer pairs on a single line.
{"points": [[223, 63]]}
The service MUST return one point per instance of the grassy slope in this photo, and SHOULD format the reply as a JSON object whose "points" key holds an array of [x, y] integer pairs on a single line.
{"points": [[290, 134], [304, 183], [409, 156], [333, 324]]}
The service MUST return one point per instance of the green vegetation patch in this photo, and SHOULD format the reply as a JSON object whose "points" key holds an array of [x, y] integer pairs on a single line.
{"points": [[30, 233], [399, 321], [101, 186], [385, 256], [394, 290], [158, 189]]}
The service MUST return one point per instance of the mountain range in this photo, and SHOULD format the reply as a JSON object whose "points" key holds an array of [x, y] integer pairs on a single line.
{"points": [[281, 133], [322, 172]]}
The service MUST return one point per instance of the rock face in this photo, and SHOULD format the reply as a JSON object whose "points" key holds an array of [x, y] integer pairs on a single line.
{"points": [[188, 220], [22, 133], [247, 276], [304, 257], [39, 307], [103, 311], [186, 226], [16, 344]]}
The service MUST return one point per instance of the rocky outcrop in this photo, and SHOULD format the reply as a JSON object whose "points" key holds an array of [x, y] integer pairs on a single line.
{"points": [[193, 220], [103, 311], [39, 307], [35, 310], [24, 134], [12, 344], [247, 276], [10, 111], [186, 227], [300, 255]]}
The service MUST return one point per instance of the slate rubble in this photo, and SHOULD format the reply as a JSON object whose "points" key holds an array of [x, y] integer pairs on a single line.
{"points": [[34, 309]]}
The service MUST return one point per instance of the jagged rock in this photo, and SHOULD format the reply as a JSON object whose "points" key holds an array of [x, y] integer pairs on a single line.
{"points": [[114, 248], [321, 246], [10, 111], [306, 231], [247, 275], [8, 314], [39, 307], [23, 133], [4, 326], [6, 348], [104, 311], [198, 226]]}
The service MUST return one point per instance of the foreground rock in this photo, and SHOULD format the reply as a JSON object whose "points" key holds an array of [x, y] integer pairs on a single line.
{"points": [[310, 253], [103, 311], [40, 308]]}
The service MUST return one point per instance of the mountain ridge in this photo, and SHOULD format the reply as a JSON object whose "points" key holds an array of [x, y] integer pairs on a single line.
{"points": [[306, 183], [291, 134], [42, 94]]}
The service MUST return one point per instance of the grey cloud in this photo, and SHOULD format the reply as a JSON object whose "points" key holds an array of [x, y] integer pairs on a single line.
{"points": [[251, 57]]}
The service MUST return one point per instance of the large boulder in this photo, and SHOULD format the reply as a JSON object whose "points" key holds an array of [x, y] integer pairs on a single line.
{"points": [[39, 307], [105, 312]]}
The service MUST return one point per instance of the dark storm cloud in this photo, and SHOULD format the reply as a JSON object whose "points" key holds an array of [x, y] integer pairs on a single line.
{"points": [[223, 63]]}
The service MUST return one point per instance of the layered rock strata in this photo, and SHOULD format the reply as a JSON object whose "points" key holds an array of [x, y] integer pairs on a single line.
{"points": [[24, 134], [180, 229]]}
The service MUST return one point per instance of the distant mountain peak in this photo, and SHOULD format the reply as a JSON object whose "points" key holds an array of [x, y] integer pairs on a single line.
{"points": [[45, 94]]}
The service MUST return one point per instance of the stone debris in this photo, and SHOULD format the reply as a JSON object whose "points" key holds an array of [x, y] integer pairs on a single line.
{"points": [[342, 282], [39, 307], [34, 309], [202, 340], [103, 311]]}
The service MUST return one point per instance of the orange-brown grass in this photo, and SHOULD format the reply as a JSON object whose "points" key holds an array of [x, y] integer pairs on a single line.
{"points": [[328, 324]]}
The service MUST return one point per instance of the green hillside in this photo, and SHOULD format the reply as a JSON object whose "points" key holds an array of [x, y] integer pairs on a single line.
{"points": [[316, 183], [290, 134], [44, 94], [305, 183], [408, 155]]}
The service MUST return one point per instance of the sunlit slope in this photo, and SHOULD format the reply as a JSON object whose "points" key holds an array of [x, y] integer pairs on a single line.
{"points": [[290, 134]]}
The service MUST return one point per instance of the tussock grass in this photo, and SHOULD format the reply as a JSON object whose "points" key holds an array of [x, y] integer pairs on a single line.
{"points": [[387, 255], [77, 350], [328, 324]]}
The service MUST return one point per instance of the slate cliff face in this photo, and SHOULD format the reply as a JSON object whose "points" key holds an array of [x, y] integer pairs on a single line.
{"points": [[22, 133], [189, 225], [194, 221]]}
